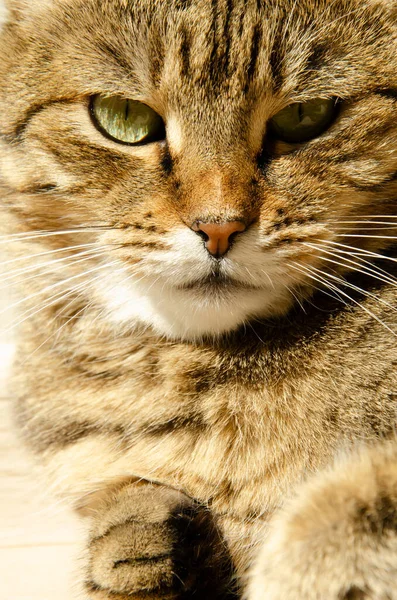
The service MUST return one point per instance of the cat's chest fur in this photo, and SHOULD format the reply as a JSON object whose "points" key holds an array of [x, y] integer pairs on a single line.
{"points": [[235, 424]]}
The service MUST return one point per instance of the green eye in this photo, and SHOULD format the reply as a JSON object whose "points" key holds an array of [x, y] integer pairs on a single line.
{"points": [[126, 121], [303, 121]]}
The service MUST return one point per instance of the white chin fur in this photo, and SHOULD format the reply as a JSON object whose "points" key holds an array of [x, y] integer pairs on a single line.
{"points": [[186, 314], [157, 300]]}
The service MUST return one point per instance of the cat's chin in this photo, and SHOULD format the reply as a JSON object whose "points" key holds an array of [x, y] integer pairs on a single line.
{"points": [[191, 314]]}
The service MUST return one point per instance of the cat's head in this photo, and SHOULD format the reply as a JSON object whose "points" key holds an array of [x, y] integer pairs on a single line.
{"points": [[222, 156]]}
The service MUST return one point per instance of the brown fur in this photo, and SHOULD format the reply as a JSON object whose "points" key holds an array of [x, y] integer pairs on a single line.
{"points": [[155, 434]]}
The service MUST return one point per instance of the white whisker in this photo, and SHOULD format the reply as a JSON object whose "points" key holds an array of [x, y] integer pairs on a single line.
{"points": [[66, 262], [348, 262], [360, 251], [360, 290], [64, 309], [359, 235], [21, 237], [48, 252], [359, 256], [293, 294], [373, 217], [268, 276], [383, 228], [366, 221], [366, 309], [52, 286], [334, 296], [52, 299]]}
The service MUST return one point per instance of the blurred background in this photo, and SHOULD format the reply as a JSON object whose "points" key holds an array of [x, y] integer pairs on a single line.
{"points": [[40, 540]]}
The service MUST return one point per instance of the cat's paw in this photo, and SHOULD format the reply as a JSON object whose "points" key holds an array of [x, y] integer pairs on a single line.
{"points": [[153, 542], [337, 540]]}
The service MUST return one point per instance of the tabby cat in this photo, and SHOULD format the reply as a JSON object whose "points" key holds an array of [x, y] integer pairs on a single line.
{"points": [[198, 199]]}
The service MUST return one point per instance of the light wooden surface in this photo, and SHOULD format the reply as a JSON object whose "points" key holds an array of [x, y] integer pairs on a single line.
{"points": [[40, 541]]}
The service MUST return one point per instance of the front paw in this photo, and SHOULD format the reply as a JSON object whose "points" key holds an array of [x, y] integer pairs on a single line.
{"points": [[153, 542], [337, 540]]}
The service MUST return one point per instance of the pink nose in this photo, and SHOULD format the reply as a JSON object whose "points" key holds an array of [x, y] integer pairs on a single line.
{"points": [[217, 236]]}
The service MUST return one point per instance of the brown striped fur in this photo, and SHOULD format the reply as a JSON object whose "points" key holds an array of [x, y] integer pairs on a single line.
{"points": [[222, 441]]}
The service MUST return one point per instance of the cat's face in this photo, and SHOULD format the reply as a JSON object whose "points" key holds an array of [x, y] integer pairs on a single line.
{"points": [[216, 220]]}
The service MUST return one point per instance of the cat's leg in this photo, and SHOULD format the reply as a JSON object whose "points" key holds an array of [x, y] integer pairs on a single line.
{"points": [[153, 542], [337, 540]]}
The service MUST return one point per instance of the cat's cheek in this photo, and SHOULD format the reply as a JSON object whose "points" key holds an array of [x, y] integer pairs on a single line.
{"points": [[30, 169]]}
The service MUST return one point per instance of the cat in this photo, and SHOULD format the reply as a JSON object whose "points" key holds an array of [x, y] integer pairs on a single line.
{"points": [[198, 199]]}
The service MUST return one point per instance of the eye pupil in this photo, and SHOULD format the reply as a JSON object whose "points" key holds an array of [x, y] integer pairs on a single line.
{"points": [[303, 121], [126, 121], [300, 112]]}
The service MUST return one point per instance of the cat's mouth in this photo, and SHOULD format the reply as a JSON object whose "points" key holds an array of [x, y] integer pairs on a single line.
{"points": [[216, 282]]}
